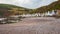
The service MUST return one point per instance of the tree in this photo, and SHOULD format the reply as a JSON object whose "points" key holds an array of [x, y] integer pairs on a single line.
{"points": [[14, 11], [4, 12]]}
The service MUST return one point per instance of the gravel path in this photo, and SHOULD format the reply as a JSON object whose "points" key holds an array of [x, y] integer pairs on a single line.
{"points": [[33, 25]]}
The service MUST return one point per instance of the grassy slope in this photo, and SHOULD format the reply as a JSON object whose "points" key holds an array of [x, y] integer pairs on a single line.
{"points": [[52, 6]]}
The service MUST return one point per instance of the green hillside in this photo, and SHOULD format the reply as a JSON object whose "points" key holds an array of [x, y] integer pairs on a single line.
{"points": [[9, 6], [52, 6], [7, 9]]}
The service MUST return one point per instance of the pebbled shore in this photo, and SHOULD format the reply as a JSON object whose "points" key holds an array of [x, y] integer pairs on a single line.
{"points": [[33, 25]]}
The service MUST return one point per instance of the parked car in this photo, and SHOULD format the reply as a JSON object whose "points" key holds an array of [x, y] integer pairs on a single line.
{"points": [[2, 20], [13, 19], [10, 19]]}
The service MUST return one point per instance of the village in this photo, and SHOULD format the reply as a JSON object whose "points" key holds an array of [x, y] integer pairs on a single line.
{"points": [[16, 18]]}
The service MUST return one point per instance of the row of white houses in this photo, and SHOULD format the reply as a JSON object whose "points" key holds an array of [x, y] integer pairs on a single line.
{"points": [[49, 13]]}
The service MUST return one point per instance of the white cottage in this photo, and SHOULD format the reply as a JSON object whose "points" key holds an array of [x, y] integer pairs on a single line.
{"points": [[50, 13]]}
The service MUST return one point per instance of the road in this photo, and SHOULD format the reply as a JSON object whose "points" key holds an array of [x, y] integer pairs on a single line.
{"points": [[33, 25]]}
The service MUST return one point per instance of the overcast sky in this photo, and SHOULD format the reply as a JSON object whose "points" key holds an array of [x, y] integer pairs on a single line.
{"points": [[28, 3]]}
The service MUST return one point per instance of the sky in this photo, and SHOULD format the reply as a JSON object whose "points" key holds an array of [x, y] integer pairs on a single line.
{"points": [[32, 4]]}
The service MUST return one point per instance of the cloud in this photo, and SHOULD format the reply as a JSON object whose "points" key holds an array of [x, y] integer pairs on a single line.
{"points": [[28, 3]]}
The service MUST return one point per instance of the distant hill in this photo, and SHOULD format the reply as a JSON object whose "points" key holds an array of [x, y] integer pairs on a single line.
{"points": [[52, 6], [10, 6], [12, 9]]}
